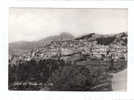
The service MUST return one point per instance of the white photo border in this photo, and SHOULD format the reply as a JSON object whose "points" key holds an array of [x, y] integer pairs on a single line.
{"points": [[49, 95]]}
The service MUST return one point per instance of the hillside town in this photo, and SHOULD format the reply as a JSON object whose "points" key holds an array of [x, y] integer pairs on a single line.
{"points": [[83, 51], [68, 47]]}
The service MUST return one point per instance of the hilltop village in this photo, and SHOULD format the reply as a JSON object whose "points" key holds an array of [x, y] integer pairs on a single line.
{"points": [[88, 47], [82, 64]]}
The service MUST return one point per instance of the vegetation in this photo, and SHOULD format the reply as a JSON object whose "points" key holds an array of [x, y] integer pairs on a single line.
{"points": [[57, 75], [105, 40]]}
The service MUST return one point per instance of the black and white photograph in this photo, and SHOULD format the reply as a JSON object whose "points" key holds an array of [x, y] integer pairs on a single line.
{"points": [[67, 49]]}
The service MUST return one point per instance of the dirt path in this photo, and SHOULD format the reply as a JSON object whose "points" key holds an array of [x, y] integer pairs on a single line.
{"points": [[119, 81]]}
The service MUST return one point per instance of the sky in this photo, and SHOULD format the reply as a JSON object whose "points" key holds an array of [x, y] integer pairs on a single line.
{"points": [[29, 24]]}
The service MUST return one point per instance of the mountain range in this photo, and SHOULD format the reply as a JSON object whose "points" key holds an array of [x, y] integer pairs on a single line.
{"points": [[20, 47]]}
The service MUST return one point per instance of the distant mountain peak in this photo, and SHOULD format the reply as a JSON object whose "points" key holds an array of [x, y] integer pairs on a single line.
{"points": [[18, 46]]}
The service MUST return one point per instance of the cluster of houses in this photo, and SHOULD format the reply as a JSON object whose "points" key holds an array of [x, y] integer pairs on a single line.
{"points": [[66, 48]]}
